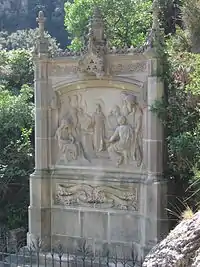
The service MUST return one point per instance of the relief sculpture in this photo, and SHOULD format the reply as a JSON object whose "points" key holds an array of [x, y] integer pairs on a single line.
{"points": [[112, 136], [97, 196], [68, 134], [134, 115], [68, 146], [121, 142], [98, 125], [113, 117]]}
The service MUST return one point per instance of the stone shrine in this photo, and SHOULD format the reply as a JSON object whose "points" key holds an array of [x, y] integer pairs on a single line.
{"points": [[99, 148]]}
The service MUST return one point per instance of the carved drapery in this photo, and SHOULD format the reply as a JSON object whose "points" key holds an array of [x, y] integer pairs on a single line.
{"points": [[95, 133]]}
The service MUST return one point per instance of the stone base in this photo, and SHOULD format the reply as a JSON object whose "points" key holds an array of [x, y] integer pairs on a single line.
{"points": [[102, 230], [102, 211]]}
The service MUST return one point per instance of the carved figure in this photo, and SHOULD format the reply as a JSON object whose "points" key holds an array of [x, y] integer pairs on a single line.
{"points": [[67, 144], [128, 108], [134, 115], [84, 120], [98, 125], [138, 150], [72, 115], [69, 147], [113, 117], [73, 111], [121, 142]]}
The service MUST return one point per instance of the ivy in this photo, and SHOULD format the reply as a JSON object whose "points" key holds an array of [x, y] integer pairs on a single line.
{"points": [[179, 112]]}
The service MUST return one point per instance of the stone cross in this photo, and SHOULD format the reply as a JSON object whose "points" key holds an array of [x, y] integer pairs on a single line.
{"points": [[41, 20]]}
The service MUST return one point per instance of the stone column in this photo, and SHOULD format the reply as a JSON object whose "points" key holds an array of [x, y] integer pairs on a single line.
{"points": [[40, 200], [155, 189]]}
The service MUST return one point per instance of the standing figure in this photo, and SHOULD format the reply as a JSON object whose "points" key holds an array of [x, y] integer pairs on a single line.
{"points": [[134, 116], [98, 125], [73, 113], [128, 108], [121, 141]]}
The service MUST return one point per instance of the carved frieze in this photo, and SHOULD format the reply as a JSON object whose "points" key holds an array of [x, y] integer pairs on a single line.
{"points": [[64, 69], [117, 68], [94, 66], [96, 196]]}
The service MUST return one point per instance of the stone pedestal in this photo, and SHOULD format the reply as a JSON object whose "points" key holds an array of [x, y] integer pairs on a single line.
{"points": [[132, 217]]}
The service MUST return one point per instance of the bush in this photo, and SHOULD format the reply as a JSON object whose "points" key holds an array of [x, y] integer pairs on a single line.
{"points": [[16, 155]]}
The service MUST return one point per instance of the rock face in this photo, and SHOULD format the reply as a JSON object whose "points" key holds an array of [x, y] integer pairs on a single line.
{"points": [[20, 14], [8, 6], [181, 248]]}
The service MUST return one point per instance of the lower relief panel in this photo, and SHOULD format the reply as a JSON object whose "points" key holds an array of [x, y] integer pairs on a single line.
{"points": [[97, 196], [105, 216]]}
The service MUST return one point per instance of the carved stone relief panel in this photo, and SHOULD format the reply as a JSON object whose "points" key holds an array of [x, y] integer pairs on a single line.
{"points": [[100, 127], [101, 196]]}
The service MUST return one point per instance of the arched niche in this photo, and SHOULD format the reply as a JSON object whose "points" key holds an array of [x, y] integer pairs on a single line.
{"points": [[105, 101]]}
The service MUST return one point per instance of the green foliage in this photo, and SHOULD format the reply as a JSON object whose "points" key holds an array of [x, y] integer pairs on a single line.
{"points": [[180, 113], [16, 154], [170, 15], [127, 21], [15, 17], [179, 42], [16, 69], [26, 39], [16, 124], [190, 15]]}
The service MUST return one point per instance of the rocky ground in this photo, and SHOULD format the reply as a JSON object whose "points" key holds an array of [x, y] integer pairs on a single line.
{"points": [[181, 248]]}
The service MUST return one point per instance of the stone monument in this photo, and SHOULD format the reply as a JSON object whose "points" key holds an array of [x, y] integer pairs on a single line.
{"points": [[99, 149]]}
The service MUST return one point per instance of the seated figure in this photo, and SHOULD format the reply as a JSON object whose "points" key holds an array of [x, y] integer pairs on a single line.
{"points": [[68, 146], [121, 141], [69, 149]]}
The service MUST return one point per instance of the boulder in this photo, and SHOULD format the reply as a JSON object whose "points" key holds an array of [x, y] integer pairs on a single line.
{"points": [[181, 248]]}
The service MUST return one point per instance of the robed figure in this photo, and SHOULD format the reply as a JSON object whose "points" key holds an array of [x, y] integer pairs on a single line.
{"points": [[98, 125]]}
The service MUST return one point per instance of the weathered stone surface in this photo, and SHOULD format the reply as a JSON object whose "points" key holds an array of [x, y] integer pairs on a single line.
{"points": [[180, 248], [98, 162]]}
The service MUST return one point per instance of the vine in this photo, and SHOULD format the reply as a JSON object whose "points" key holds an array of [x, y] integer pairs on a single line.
{"points": [[179, 113]]}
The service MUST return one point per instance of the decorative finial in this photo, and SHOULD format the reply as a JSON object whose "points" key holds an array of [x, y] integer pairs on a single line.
{"points": [[41, 20], [96, 26], [41, 46], [155, 38], [93, 61], [97, 13]]}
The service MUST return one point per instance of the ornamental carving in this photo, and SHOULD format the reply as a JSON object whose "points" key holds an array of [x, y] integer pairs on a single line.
{"points": [[93, 60], [129, 68], [63, 70], [93, 133], [97, 196]]}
